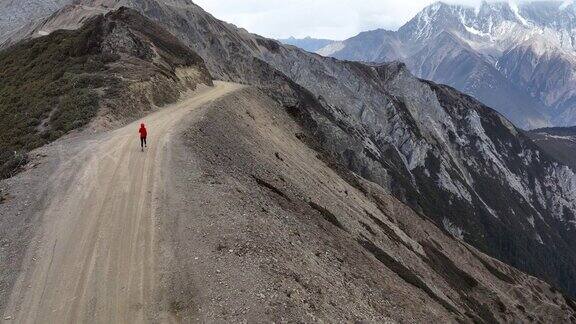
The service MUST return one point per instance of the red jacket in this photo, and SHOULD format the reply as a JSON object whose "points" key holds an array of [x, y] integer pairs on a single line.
{"points": [[142, 131]]}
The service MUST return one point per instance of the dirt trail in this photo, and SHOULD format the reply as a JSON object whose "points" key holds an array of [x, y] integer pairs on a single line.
{"points": [[93, 259]]}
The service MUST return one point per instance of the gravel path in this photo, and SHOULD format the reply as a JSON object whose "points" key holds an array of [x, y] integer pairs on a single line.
{"points": [[93, 258]]}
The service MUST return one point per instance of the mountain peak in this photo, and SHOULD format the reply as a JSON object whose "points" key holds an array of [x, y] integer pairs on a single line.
{"points": [[568, 5], [439, 8], [460, 45], [307, 43]]}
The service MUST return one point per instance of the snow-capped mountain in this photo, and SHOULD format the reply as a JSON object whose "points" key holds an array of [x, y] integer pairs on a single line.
{"points": [[519, 59]]}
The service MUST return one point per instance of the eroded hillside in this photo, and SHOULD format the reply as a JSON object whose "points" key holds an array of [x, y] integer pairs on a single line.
{"points": [[267, 228], [115, 67]]}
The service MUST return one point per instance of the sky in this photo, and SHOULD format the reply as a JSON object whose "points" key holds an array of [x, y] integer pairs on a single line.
{"points": [[332, 19]]}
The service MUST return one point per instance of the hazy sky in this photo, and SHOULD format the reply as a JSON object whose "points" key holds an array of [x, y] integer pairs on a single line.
{"points": [[334, 19]]}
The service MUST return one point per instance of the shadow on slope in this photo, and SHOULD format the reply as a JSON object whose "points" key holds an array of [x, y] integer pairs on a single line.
{"points": [[263, 227]]}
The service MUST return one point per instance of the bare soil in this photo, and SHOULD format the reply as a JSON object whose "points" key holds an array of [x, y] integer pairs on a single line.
{"points": [[258, 226], [230, 215], [92, 256]]}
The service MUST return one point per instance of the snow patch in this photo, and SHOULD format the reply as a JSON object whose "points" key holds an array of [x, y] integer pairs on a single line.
{"points": [[566, 4], [475, 31], [456, 231], [453, 186], [514, 8]]}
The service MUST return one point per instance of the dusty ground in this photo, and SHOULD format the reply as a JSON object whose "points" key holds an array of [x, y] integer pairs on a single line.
{"points": [[92, 259], [257, 227], [230, 216], [235, 249]]}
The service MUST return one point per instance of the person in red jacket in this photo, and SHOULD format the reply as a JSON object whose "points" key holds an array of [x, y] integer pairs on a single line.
{"points": [[143, 135]]}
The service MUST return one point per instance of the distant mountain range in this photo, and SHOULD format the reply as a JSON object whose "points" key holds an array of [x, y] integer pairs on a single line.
{"points": [[14, 14], [519, 59], [308, 43]]}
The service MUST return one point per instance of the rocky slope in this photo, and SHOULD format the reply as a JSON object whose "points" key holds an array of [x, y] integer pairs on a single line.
{"points": [[443, 153], [558, 142], [54, 84], [518, 59], [252, 223], [15, 14], [292, 237]]}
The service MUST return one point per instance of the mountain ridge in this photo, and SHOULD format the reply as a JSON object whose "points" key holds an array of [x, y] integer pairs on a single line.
{"points": [[394, 130], [308, 43], [495, 32], [424, 143], [257, 219]]}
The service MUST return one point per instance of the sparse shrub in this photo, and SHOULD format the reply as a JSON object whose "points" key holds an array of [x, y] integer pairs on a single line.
{"points": [[49, 79], [11, 162], [54, 84]]}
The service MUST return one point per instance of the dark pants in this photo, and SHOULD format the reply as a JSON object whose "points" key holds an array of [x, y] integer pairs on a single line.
{"points": [[142, 141]]}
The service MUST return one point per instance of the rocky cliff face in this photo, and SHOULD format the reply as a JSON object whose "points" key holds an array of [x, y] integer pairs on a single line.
{"points": [[518, 59], [446, 155]]}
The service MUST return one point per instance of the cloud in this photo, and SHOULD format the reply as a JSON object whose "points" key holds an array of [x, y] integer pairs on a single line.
{"points": [[333, 19]]}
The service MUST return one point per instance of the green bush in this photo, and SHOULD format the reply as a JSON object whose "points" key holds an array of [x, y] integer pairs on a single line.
{"points": [[48, 88], [11, 162]]}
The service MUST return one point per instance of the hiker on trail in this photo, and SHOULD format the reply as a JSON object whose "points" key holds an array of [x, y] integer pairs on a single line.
{"points": [[143, 134]]}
